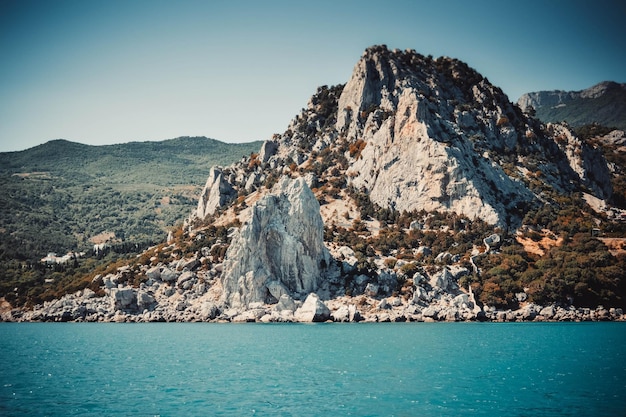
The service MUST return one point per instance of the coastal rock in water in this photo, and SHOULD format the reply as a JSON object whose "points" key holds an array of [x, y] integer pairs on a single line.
{"points": [[279, 249], [217, 192], [313, 310]]}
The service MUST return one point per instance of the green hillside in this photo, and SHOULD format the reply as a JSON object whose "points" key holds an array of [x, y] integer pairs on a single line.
{"points": [[63, 196]]}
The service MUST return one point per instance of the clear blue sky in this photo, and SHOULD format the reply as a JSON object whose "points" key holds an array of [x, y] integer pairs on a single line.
{"points": [[112, 71]]}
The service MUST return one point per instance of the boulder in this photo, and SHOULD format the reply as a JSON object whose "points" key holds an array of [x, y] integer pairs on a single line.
{"points": [[145, 300], [547, 312], [186, 280], [168, 275], [285, 302], [154, 273], [342, 314], [124, 298], [313, 310], [430, 312]]}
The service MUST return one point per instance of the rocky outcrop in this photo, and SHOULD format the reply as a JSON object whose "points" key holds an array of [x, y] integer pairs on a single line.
{"points": [[279, 249], [313, 310], [588, 163], [216, 193]]}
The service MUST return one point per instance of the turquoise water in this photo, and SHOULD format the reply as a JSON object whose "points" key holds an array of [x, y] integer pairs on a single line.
{"points": [[399, 369]]}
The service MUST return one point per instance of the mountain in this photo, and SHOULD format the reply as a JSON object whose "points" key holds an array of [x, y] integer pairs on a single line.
{"points": [[416, 191], [416, 133], [604, 104]]}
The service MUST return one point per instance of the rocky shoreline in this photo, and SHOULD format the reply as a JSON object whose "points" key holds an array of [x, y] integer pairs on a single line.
{"points": [[187, 296]]}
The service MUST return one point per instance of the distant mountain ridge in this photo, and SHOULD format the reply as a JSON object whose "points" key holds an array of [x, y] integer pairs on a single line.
{"points": [[603, 103], [172, 161]]}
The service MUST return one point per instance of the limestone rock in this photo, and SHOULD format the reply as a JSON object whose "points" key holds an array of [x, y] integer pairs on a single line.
{"points": [[342, 314], [313, 310], [124, 298], [285, 303], [216, 193], [412, 159], [268, 149], [445, 281], [168, 275], [145, 300], [280, 243]]}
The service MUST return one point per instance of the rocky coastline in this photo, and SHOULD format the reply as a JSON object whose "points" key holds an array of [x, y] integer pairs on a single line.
{"points": [[174, 293]]}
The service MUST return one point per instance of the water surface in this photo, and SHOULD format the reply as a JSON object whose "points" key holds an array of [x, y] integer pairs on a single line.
{"points": [[390, 369]]}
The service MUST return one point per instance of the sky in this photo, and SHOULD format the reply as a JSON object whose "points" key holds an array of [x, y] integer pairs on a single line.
{"points": [[112, 71]]}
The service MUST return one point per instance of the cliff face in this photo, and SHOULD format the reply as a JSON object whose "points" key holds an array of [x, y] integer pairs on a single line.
{"points": [[420, 136]]}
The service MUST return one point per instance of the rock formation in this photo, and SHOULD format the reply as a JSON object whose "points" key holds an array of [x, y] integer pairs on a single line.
{"points": [[216, 193], [279, 250], [427, 145]]}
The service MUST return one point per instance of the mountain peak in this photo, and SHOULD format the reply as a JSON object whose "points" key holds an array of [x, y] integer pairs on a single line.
{"points": [[416, 133], [603, 88]]}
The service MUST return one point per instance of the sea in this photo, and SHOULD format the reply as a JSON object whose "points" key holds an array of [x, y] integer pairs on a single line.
{"points": [[325, 369]]}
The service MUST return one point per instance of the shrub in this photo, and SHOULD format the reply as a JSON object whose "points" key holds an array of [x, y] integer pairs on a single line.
{"points": [[502, 121], [356, 148]]}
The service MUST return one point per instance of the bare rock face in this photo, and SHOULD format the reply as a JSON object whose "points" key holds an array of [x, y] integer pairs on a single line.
{"points": [[217, 193], [421, 147], [587, 162], [279, 249]]}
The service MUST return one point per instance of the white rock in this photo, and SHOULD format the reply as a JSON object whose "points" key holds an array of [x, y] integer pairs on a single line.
{"points": [[342, 314], [313, 310], [216, 193], [285, 302], [123, 298], [169, 275], [281, 241]]}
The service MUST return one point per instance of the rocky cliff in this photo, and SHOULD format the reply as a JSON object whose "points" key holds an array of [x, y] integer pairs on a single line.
{"points": [[433, 134]]}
